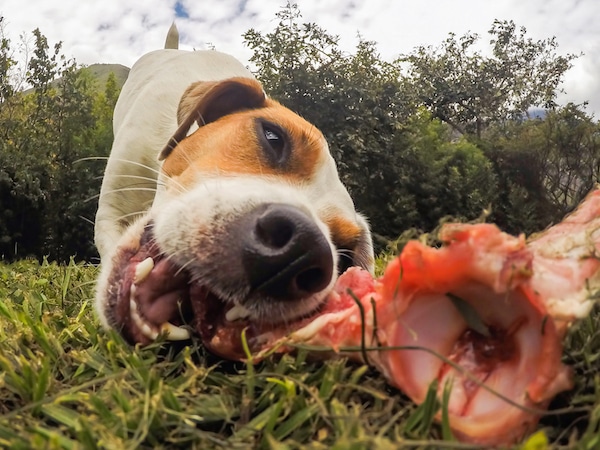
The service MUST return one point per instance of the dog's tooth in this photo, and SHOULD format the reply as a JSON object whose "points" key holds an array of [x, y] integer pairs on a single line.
{"points": [[148, 331], [309, 331], [237, 312], [143, 269], [133, 309], [143, 326], [175, 333]]}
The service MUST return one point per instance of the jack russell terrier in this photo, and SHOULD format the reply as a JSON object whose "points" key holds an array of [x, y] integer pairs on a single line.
{"points": [[212, 184]]}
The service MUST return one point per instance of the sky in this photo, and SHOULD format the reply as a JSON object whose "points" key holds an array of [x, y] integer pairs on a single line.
{"points": [[120, 31]]}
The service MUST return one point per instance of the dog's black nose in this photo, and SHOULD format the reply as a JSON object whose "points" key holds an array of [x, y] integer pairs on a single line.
{"points": [[284, 253]]}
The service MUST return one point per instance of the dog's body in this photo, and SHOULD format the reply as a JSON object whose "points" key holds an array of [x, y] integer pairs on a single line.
{"points": [[248, 209]]}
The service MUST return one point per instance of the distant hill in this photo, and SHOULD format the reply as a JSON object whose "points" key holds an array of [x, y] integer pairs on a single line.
{"points": [[101, 71], [537, 113]]}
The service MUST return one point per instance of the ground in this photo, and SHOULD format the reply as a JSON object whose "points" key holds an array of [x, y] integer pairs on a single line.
{"points": [[66, 384]]}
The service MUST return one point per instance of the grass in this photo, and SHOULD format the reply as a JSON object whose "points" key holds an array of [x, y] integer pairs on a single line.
{"points": [[67, 384]]}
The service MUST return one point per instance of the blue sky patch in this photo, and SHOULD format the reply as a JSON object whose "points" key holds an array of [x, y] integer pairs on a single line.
{"points": [[180, 11]]}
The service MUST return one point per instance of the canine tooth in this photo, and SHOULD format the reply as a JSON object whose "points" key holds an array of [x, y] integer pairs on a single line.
{"points": [[237, 312], [143, 269], [148, 331], [175, 333]]}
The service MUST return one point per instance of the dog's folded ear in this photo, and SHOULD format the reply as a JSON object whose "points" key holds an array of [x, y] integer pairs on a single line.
{"points": [[206, 101]]}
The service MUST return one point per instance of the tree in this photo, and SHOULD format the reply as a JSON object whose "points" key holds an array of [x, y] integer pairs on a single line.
{"points": [[447, 177], [6, 65], [570, 156], [23, 167], [397, 176], [470, 91], [355, 100], [545, 167], [46, 187]]}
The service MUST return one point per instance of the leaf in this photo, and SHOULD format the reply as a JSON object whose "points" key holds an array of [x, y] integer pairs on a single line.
{"points": [[537, 441], [446, 428], [470, 315]]}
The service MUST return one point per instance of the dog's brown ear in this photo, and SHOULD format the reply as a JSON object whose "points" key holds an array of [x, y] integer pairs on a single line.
{"points": [[206, 101]]}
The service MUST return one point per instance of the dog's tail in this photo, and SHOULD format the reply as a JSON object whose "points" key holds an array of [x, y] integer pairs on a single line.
{"points": [[172, 40]]}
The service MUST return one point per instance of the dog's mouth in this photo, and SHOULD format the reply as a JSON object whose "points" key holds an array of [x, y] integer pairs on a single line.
{"points": [[150, 295]]}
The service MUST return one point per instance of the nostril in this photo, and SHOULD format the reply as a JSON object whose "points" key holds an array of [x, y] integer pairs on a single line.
{"points": [[284, 253], [312, 280], [274, 231]]}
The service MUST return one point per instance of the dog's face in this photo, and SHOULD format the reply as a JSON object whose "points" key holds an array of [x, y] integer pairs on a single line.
{"points": [[250, 218]]}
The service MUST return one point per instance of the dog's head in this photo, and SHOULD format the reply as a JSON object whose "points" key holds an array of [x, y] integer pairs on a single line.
{"points": [[250, 218]]}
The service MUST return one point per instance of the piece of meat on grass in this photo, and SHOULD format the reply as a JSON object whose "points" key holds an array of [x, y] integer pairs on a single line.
{"points": [[504, 366]]}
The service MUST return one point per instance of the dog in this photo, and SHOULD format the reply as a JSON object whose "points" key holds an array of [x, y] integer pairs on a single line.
{"points": [[213, 185]]}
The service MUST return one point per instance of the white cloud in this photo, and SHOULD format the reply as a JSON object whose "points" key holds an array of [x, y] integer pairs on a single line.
{"points": [[115, 31]]}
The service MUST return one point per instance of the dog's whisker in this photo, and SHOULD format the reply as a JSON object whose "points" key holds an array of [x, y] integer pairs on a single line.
{"points": [[184, 267], [170, 182], [101, 195], [139, 164], [140, 177], [105, 193], [92, 158], [155, 181], [345, 252], [152, 169], [350, 254], [359, 258], [175, 256], [92, 198], [125, 189], [187, 157], [85, 219]]}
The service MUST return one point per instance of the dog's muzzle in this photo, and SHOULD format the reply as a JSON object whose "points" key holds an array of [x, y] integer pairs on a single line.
{"points": [[269, 266]]}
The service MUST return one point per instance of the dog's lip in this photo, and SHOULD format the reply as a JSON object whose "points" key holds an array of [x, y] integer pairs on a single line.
{"points": [[226, 338], [233, 338]]}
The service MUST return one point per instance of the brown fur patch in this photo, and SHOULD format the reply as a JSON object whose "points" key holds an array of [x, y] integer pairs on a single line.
{"points": [[344, 233], [230, 146], [206, 101]]}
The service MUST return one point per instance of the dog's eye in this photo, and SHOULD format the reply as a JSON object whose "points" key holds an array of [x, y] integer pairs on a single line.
{"points": [[274, 142], [344, 261], [274, 139]]}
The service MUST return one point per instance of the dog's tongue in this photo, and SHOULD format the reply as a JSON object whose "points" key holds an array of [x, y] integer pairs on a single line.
{"points": [[161, 294]]}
